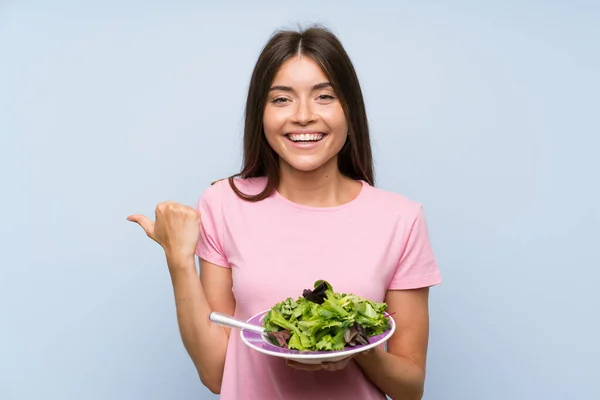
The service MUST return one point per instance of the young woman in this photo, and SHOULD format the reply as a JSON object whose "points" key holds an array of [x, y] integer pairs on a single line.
{"points": [[303, 208]]}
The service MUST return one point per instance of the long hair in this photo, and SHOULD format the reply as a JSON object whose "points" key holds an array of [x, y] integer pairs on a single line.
{"points": [[355, 159]]}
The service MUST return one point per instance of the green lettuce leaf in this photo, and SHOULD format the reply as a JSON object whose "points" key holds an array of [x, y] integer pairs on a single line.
{"points": [[324, 320]]}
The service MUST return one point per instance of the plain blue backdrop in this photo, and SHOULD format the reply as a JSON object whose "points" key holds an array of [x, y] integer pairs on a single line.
{"points": [[486, 112]]}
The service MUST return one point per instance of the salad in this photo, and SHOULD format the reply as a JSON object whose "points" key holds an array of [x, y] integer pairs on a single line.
{"points": [[323, 320]]}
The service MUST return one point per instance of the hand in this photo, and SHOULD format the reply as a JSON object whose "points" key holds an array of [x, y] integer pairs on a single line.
{"points": [[177, 228], [328, 366]]}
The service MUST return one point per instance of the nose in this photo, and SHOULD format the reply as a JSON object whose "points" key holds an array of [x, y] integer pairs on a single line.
{"points": [[304, 114]]}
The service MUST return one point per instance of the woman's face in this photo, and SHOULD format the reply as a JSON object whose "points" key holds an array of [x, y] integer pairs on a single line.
{"points": [[303, 120]]}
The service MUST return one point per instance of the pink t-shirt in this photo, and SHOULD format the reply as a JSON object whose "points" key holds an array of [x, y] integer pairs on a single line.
{"points": [[276, 248]]}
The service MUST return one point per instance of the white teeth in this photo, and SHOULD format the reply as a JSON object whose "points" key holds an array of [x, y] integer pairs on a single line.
{"points": [[305, 137]]}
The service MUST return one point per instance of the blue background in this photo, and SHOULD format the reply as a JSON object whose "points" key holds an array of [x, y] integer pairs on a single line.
{"points": [[486, 112]]}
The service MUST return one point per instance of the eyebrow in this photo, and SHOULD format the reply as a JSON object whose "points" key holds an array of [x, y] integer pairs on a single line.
{"points": [[318, 86]]}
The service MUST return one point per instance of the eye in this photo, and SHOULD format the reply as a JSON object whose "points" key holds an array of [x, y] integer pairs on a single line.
{"points": [[278, 100], [326, 97]]}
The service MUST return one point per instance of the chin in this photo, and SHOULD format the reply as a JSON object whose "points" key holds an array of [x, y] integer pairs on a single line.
{"points": [[307, 165], [306, 168]]}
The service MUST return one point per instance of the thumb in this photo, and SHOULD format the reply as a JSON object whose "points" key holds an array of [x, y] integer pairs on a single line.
{"points": [[144, 222]]}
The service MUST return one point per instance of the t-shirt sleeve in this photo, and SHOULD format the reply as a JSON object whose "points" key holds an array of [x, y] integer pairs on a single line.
{"points": [[210, 242], [417, 266]]}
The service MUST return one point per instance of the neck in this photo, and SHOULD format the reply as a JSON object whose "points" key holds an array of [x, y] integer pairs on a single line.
{"points": [[324, 187]]}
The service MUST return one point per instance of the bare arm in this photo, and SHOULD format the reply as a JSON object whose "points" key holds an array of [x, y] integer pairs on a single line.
{"points": [[400, 373], [195, 298], [177, 229]]}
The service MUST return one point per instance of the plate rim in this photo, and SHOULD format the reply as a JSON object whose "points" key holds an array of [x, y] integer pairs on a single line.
{"points": [[323, 356]]}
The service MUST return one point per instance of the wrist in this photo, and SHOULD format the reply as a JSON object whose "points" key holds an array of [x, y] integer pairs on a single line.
{"points": [[182, 275], [179, 261]]}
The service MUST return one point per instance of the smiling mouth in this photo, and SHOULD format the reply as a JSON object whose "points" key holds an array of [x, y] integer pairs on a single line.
{"points": [[305, 137]]}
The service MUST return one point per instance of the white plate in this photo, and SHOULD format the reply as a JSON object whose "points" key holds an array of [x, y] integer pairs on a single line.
{"points": [[260, 343]]}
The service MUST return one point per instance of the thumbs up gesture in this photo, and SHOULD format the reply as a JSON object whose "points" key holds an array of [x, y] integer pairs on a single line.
{"points": [[176, 228]]}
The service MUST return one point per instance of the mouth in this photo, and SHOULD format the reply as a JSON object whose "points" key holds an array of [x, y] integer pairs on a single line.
{"points": [[309, 137]]}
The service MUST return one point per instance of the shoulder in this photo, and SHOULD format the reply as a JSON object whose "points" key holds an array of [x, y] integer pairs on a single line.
{"points": [[393, 203], [220, 192]]}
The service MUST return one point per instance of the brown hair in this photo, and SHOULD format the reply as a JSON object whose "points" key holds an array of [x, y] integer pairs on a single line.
{"points": [[355, 159]]}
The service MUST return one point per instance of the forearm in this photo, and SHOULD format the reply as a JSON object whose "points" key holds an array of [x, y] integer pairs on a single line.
{"points": [[205, 342], [397, 377]]}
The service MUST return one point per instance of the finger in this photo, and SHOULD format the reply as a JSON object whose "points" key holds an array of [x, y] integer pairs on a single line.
{"points": [[144, 222], [303, 367], [367, 352], [334, 366]]}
